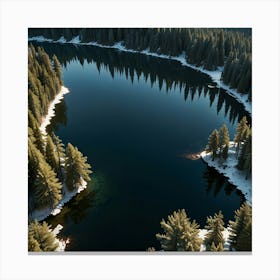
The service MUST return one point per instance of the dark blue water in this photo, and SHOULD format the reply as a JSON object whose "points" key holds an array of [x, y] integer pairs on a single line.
{"points": [[135, 118]]}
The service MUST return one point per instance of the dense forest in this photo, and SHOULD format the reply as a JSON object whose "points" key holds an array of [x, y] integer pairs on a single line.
{"points": [[207, 47], [52, 169]]}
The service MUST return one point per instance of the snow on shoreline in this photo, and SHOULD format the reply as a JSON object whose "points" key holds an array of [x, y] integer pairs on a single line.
{"points": [[42, 214], [51, 113], [61, 242], [229, 170], [215, 75]]}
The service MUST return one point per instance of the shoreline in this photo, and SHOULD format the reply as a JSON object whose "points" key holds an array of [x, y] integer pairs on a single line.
{"points": [[214, 75], [61, 242], [51, 113], [42, 214], [229, 170]]}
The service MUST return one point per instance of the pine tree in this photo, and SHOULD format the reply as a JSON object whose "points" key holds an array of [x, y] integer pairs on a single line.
{"points": [[215, 226], [52, 156], [221, 48], [180, 234], [60, 150], [219, 247], [33, 244], [245, 158], [241, 229], [47, 186], [241, 133], [223, 142], [76, 167], [39, 142], [213, 143], [57, 68], [40, 238]]}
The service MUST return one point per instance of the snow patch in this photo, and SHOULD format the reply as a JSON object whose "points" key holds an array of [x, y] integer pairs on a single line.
{"points": [[75, 40], [61, 40], [39, 39], [47, 119], [61, 243], [228, 169], [215, 75]]}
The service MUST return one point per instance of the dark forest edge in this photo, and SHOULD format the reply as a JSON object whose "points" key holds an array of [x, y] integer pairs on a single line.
{"points": [[52, 169], [207, 47]]}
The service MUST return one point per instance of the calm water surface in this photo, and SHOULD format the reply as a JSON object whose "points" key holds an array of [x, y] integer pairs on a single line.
{"points": [[135, 117]]}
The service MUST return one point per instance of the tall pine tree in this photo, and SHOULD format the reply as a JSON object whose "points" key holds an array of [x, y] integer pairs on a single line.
{"points": [[242, 131], [213, 144], [47, 186], [180, 234], [214, 236], [76, 167], [241, 229], [223, 142]]}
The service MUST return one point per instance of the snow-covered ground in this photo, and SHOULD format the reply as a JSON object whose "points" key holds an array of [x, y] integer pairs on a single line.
{"points": [[47, 119], [203, 232], [215, 75], [61, 243], [229, 170]]}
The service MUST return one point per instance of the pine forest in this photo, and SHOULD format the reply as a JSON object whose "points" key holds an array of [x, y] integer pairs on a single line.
{"points": [[140, 139]]}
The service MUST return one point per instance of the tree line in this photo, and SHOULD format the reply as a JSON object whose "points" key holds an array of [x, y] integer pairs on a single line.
{"points": [[158, 73], [207, 47], [218, 145], [52, 168], [182, 234]]}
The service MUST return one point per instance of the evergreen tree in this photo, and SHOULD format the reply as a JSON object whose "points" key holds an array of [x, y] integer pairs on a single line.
{"points": [[33, 244], [180, 234], [52, 156], [221, 49], [40, 238], [241, 229], [213, 143], [208, 47], [76, 167], [218, 248], [57, 68], [245, 158], [215, 226], [60, 150], [241, 133], [223, 142], [47, 186]]}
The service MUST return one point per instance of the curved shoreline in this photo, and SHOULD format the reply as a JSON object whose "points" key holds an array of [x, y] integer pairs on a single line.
{"points": [[42, 214], [214, 75], [228, 169]]}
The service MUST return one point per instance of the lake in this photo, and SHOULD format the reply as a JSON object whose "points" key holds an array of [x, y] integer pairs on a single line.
{"points": [[136, 117]]}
